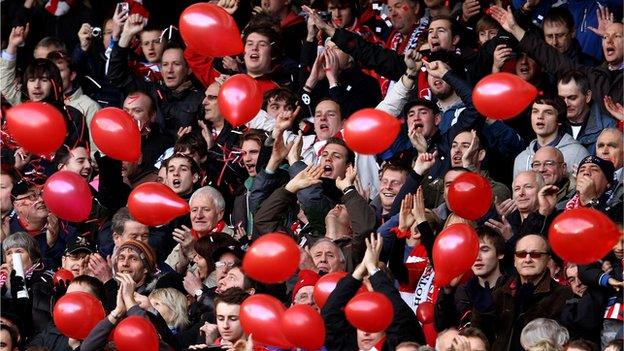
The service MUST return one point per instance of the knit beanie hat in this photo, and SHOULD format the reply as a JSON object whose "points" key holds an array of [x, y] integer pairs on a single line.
{"points": [[145, 252]]}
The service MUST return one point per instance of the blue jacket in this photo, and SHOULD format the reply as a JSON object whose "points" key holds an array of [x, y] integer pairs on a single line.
{"points": [[595, 124]]}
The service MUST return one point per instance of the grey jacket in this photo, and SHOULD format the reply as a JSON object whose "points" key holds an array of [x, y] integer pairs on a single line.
{"points": [[573, 154]]}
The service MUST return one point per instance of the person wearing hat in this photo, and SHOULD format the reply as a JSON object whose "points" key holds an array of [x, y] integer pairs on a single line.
{"points": [[303, 292], [76, 256], [593, 183]]}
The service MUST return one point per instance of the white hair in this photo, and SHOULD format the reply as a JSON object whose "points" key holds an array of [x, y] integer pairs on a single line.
{"points": [[543, 329], [211, 193]]}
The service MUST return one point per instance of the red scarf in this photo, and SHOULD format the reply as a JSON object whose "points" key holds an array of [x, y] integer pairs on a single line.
{"points": [[218, 228]]}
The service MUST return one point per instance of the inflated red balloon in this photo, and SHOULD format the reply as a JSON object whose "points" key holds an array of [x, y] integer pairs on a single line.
{"points": [[76, 313], [325, 286], [583, 235], [370, 131], [260, 259], [135, 333], [261, 315], [303, 326], [62, 275], [470, 196], [116, 134], [67, 195], [454, 251], [155, 204], [210, 30], [239, 99], [425, 312], [502, 95], [371, 312], [37, 127]]}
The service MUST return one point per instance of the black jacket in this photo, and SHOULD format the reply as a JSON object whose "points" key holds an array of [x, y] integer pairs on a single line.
{"points": [[340, 335], [174, 109]]}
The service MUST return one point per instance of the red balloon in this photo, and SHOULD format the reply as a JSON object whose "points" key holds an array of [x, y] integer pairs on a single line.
{"points": [[259, 261], [583, 235], [425, 313], [116, 134], [135, 333], [62, 275], [370, 131], [210, 30], [371, 312], [67, 195], [155, 204], [76, 313], [261, 315], [470, 196], [37, 126], [239, 99], [454, 251], [325, 286], [502, 95], [303, 326]]}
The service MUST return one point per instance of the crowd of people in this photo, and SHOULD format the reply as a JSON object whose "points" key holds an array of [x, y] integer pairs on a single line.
{"points": [[289, 170]]}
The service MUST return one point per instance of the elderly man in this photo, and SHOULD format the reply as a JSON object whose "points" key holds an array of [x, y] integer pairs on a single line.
{"points": [[610, 147], [327, 256], [548, 161], [207, 208], [532, 294]]}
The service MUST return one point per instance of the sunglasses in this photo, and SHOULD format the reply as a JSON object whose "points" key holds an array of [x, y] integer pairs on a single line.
{"points": [[533, 254]]}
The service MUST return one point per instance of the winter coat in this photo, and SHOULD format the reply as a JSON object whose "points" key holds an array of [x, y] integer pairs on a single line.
{"points": [[573, 153]]}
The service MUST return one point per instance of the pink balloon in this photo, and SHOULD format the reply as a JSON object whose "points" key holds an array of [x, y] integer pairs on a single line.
{"points": [[67, 195]]}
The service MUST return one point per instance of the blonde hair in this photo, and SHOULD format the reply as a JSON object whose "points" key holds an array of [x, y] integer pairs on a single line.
{"points": [[176, 301]]}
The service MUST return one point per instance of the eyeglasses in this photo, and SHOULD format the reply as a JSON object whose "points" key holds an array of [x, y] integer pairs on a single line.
{"points": [[534, 254], [221, 264], [549, 164]]}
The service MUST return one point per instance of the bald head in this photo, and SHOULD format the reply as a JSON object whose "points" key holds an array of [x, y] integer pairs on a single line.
{"points": [[548, 161], [444, 341]]}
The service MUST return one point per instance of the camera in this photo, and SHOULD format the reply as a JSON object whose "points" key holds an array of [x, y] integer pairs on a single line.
{"points": [[325, 15], [96, 32]]}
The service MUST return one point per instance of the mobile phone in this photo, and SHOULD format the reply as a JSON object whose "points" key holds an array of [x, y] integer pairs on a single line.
{"points": [[123, 7]]}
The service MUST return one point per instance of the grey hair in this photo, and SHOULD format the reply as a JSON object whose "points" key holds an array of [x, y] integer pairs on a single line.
{"points": [[539, 178], [25, 241], [543, 329], [343, 259], [176, 301], [211, 193]]}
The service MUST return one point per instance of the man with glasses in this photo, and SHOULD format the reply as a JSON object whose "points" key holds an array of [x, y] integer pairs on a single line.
{"points": [[531, 294], [548, 161]]}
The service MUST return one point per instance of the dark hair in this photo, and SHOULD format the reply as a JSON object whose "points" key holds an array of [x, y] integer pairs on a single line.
{"points": [[584, 345], [342, 117], [193, 144], [152, 106], [338, 141], [485, 23], [12, 334], [275, 39], [248, 283], [194, 166], [472, 332], [280, 94], [455, 27], [493, 236], [458, 169], [9, 170], [557, 103], [579, 77], [64, 153], [51, 41], [560, 15], [617, 343], [342, 4], [119, 220], [232, 296], [43, 68], [263, 19], [96, 286]]}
